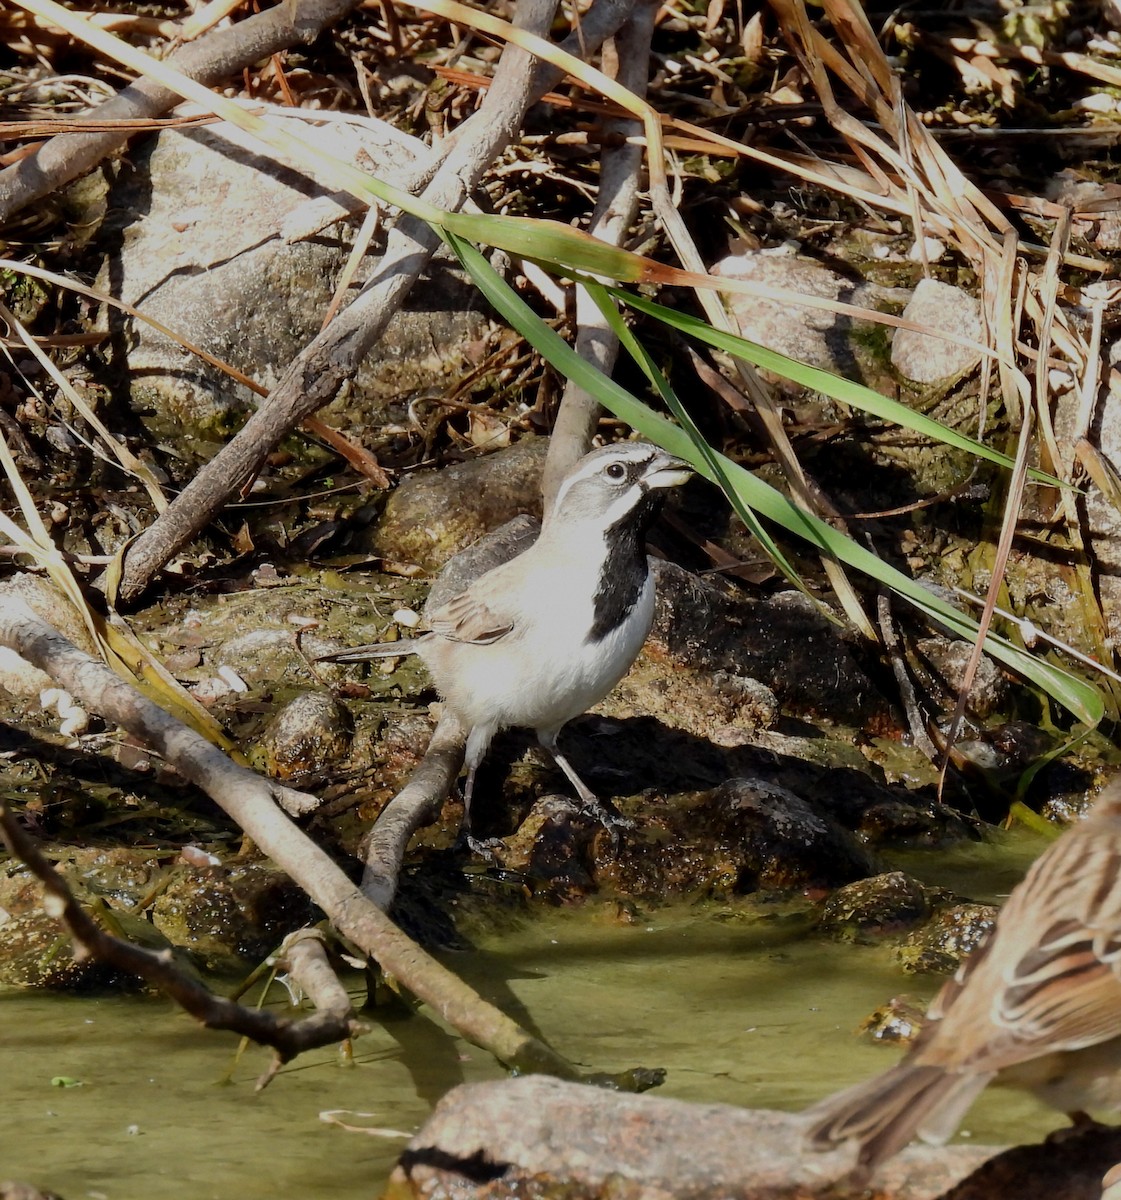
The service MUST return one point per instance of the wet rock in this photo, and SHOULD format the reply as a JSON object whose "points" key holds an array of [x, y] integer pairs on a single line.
{"points": [[310, 733], [746, 835], [537, 1136], [814, 336], [275, 255], [1005, 751], [434, 514], [553, 847], [881, 815], [898, 1022], [1067, 1166], [939, 306], [1068, 808], [36, 952], [871, 908], [952, 935], [895, 822], [228, 915]]}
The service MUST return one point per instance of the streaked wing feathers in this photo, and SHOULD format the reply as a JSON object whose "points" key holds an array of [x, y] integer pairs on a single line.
{"points": [[469, 618], [1056, 990]]}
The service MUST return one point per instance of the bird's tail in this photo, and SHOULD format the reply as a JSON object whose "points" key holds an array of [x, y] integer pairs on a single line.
{"points": [[372, 651], [883, 1114]]}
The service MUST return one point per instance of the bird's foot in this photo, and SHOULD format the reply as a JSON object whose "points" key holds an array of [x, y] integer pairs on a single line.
{"points": [[484, 848], [606, 814]]}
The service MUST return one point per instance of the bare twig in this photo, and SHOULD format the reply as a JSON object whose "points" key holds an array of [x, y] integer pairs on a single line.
{"points": [[250, 801], [288, 1036], [615, 211], [911, 706], [317, 373]]}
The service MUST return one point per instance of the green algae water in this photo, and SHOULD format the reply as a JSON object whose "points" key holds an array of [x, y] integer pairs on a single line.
{"points": [[741, 1005]]}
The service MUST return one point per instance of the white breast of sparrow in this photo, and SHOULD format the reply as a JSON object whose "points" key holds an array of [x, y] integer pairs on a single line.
{"points": [[543, 637], [1037, 1006]]}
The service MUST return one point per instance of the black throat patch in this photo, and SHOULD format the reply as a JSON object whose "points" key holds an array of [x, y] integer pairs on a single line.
{"points": [[625, 569]]}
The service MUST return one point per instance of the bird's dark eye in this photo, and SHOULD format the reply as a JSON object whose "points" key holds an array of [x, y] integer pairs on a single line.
{"points": [[616, 471]]}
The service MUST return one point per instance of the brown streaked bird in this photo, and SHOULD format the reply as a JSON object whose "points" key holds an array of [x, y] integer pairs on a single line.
{"points": [[1037, 1006], [539, 639]]}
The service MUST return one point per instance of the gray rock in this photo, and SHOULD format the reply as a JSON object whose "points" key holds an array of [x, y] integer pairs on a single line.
{"points": [[948, 658], [810, 335], [940, 306], [537, 1136], [240, 256]]}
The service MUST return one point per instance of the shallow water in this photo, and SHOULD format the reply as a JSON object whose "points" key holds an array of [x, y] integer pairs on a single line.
{"points": [[738, 1004]]}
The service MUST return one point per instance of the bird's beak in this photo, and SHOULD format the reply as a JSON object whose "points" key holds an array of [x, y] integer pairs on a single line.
{"points": [[667, 471]]}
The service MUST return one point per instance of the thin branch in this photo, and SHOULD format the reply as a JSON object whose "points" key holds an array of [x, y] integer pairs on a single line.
{"points": [[288, 1036]]}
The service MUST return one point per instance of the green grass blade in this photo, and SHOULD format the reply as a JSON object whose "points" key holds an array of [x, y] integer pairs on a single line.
{"points": [[854, 394]]}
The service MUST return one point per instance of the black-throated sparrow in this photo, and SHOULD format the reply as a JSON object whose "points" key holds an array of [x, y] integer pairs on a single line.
{"points": [[541, 638], [1036, 1006]]}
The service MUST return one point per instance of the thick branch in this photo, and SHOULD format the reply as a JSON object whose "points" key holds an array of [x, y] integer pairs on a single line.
{"points": [[248, 799], [316, 374]]}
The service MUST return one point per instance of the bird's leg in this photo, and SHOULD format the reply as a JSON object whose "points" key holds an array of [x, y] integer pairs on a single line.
{"points": [[477, 742], [603, 810]]}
